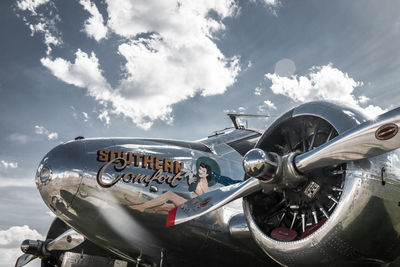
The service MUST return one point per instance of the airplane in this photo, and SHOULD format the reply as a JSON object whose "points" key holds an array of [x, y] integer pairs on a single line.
{"points": [[320, 186]]}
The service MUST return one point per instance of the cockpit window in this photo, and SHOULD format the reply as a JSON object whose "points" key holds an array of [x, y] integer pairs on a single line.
{"points": [[239, 139], [229, 136], [244, 145]]}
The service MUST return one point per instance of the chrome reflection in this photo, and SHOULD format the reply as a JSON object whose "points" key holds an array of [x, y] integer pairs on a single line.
{"points": [[45, 174], [260, 164], [59, 175], [68, 240]]}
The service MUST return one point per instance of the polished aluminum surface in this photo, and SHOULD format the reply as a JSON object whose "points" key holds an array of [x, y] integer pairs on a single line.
{"points": [[71, 259], [34, 247], [238, 227], [340, 116], [228, 136], [213, 200], [358, 143], [66, 241], [24, 259], [128, 217], [25, 246], [122, 217], [63, 172], [289, 177], [260, 164]]}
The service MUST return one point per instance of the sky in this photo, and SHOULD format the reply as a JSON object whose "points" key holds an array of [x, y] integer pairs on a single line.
{"points": [[173, 69]]}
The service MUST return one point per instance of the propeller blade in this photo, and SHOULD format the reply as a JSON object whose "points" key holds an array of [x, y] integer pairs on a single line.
{"points": [[211, 201], [68, 240], [369, 139], [24, 259]]}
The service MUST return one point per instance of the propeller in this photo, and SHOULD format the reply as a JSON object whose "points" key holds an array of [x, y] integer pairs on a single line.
{"points": [[269, 171], [24, 259], [369, 139], [40, 249]]}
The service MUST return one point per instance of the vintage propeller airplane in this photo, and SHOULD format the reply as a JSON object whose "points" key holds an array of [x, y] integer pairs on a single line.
{"points": [[320, 186]]}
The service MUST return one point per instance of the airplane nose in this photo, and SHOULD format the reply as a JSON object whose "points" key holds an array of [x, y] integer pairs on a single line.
{"points": [[59, 175]]}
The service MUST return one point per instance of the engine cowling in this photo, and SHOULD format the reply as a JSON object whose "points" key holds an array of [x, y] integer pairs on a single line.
{"points": [[344, 213]]}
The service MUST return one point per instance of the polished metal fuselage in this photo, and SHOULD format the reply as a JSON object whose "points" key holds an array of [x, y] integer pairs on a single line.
{"points": [[365, 225], [111, 216]]}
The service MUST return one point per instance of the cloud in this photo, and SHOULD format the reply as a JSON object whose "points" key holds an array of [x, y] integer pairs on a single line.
{"points": [[271, 2], [84, 72], [43, 22], [363, 99], [10, 241], [6, 165], [269, 104], [266, 106], [270, 5], [14, 235], [43, 131], [160, 75], [322, 83], [30, 5], [94, 25], [242, 109], [104, 116], [174, 58], [183, 22]]}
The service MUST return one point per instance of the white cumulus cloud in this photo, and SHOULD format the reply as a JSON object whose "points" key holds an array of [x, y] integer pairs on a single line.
{"points": [[84, 72], [10, 241], [181, 21], [43, 131], [94, 25], [16, 234], [174, 59], [322, 83]]}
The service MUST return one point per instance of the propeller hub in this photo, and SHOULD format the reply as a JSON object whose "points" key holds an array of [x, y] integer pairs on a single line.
{"points": [[260, 164]]}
